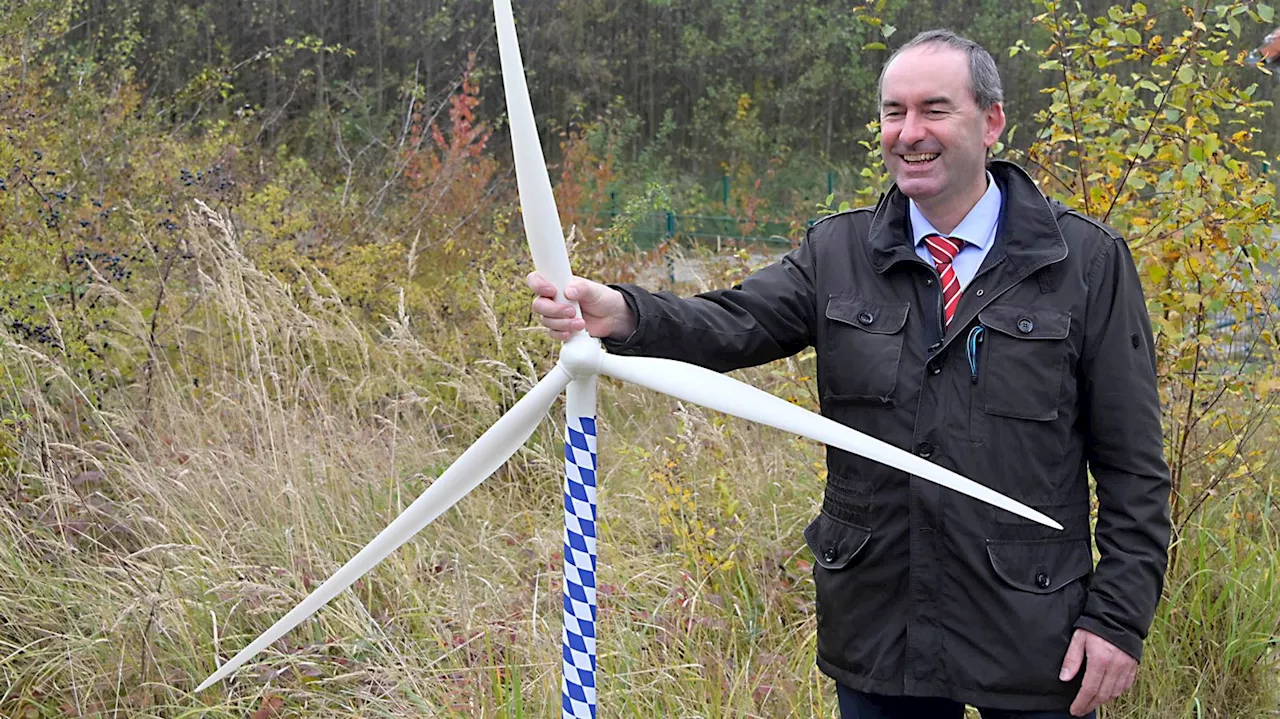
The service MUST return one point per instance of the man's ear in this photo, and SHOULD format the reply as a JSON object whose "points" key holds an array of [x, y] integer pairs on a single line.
{"points": [[994, 121]]}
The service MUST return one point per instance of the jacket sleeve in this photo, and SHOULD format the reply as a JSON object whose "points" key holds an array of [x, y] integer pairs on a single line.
{"points": [[1125, 449], [767, 316]]}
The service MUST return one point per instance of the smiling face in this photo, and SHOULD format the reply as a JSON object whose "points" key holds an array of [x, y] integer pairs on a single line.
{"points": [[934, 137]]}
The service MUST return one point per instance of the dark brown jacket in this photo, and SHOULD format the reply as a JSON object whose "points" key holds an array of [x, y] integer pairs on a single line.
{"points": [[920, 590]]}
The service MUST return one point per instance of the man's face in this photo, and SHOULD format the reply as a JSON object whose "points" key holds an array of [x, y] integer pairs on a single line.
{"points": [[933, 135]]}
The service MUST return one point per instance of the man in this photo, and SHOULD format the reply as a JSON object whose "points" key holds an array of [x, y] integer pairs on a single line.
{"points": [[1004, 336], [1268, 53]]}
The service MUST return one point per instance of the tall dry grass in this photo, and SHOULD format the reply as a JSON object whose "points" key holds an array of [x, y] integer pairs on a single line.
{"points": [[150, 533], [149, 537]]}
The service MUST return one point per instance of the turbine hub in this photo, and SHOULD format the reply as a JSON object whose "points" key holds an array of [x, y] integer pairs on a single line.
{"points": [[581, 356]]}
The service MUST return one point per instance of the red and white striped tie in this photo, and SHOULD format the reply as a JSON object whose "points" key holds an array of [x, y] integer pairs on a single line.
{"points": [[944, 250]]}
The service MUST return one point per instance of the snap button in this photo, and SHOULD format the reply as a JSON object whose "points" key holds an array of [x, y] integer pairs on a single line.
{"points": [[829, 554], [978, 293], [935, 346], [1025, 325], [866, 318], [924, 449], [1042, 580], [934, 369]]}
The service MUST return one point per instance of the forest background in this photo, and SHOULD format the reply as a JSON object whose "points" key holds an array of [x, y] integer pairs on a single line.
{"points": [[261, 278]]}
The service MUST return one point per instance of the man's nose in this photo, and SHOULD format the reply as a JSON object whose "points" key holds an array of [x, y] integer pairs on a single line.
{"points": [[912, 129]]}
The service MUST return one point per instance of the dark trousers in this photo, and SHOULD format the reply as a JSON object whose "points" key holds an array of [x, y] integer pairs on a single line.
{"points": [[857, 705]]}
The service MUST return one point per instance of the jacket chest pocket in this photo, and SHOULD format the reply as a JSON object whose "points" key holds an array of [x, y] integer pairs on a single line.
{"points": [[1023, 361], [863, 348]]}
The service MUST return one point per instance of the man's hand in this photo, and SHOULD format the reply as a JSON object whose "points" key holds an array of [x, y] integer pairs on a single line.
{"points": [[604, 311], [1109, 674]]}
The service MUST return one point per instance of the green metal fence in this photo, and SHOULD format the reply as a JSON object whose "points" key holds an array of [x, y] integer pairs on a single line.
{"points": [[653, 228]]}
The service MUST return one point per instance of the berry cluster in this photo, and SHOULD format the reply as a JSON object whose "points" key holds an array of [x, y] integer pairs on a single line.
{"points": [[114, 266], [216, 179]]}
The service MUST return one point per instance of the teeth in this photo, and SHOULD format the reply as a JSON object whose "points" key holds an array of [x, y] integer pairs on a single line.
{"points": [[920, 158]]}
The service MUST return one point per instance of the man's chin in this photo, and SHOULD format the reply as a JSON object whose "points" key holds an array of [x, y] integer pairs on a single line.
{"points": [[918, 188]]}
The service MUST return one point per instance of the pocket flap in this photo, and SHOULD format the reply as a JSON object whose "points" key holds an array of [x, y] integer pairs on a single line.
{"points": [[1041, 323], [1040, 566], [834, 542], [883, 318]]}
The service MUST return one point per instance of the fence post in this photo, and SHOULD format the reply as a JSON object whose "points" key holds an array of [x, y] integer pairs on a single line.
{"points": [[831, 183], [668, 256], [724, 191]]}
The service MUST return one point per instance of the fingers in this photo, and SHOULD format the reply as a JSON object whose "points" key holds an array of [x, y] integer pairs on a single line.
{"points": [[559, 317], [1110, 688], [563, 329], [540, 285], [1075, 655], [1087, 698], [1121, 671], [577, 289], [560, 336], [1108, 674], [550, 309]]}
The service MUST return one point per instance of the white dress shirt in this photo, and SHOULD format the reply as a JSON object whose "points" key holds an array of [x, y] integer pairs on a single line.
{"points": [[978, 229]]}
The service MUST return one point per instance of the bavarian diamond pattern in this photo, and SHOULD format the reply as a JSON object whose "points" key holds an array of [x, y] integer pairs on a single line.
{"points": [[578, 685]]}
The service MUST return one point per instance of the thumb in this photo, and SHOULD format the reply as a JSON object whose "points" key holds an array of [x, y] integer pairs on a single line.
{"points": [[1075, 655], [582, 290]]}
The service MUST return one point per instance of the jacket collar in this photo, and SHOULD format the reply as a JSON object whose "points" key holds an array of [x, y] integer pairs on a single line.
{"points": [[1028, 235]]}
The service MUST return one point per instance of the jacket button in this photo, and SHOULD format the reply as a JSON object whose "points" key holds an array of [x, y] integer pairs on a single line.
{"points": [[935, 346], [829, 554], [1042, 580], [866, 318], [934, 368], [1025, 325], [924, 449]]}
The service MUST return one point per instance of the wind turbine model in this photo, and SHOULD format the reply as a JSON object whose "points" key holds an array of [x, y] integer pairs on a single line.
{"points": [[581, 359]]}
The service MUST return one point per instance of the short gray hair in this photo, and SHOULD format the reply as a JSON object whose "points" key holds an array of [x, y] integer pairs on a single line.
{"points": [[984, 78]]}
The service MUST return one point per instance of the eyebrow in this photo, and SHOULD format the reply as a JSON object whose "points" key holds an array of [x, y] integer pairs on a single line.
{"points": [[938, 100]]}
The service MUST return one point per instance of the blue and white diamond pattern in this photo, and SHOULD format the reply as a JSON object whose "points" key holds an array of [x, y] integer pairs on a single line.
{"points": [[578, 684]]}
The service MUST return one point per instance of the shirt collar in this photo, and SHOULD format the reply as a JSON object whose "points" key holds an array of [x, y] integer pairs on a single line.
{"points": [[977, 228]]}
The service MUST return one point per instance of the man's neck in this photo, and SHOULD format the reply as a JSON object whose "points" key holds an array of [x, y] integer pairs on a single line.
{"points": [[948, 214]]}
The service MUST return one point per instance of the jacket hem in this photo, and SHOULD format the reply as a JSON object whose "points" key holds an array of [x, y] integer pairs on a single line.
{"points": [[944, 690]]}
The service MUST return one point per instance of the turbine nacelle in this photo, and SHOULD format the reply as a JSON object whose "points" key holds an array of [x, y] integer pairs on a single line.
{"points": [[581, 356]]}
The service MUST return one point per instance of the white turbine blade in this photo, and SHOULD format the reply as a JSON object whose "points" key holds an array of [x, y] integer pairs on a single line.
{"points": [[537, 204], [475, 465], [728, 395]]}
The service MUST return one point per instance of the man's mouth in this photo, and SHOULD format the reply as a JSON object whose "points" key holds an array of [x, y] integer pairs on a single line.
{"points": [[920, 159]]}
